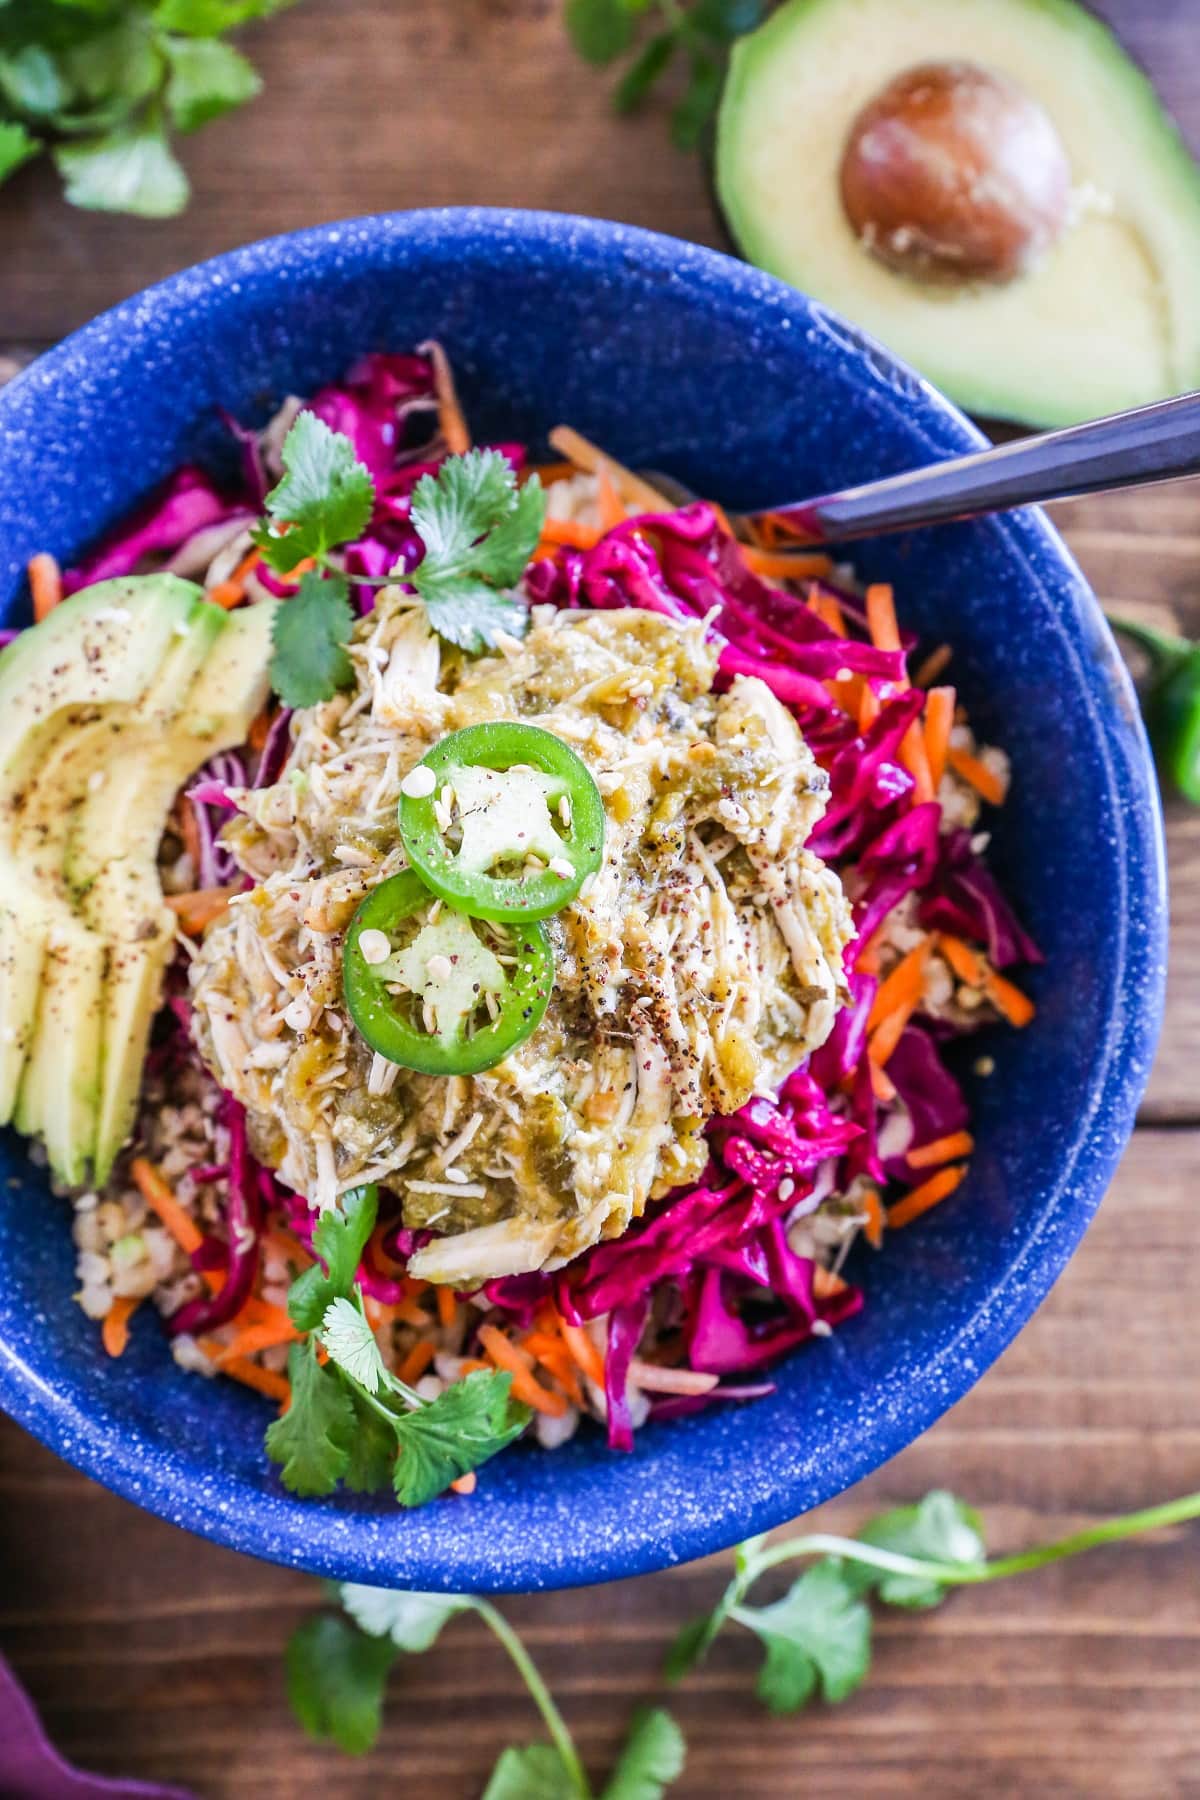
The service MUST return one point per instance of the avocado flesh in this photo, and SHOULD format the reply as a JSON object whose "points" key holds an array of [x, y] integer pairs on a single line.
{"points": [[81, 658], [1111, 317], [120, 895], [84, 933]]}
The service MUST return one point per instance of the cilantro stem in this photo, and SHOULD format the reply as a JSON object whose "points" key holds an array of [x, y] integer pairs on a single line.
{"points": [[554, 1722], [1107, 1531]]}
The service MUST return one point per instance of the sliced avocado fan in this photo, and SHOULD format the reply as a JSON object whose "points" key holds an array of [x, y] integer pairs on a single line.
{"points": [[1106, 317], [106, 707]]}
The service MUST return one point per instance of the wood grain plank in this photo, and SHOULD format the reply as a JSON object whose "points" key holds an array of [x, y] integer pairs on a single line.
{"points": [[160, 1656]]}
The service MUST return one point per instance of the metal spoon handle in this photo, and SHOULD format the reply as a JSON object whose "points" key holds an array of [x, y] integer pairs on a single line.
{"points": [[1131, 449]]}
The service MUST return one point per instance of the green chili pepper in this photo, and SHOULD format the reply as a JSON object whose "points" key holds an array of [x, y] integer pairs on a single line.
{"points": [[1170, 699], [451, 998], [503, 821]]}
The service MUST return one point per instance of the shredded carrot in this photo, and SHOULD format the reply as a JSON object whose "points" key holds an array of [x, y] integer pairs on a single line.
{"points": [[232, 591], [571, 533], [868, 707], [507, 1356], [584, 1352], [413, 1313], [883, 1089], [828, 610], [942, 1150], [251, 1374], [939, 718], [450, 414], [162, 1202], [586, 456], [867, 960], [887, 1034], [793, 565], [928, 1195], [189, 831], [904, 984], [826, 1285], [45, 584], [253, 1338], [846, 693], [114, 1333], [197, 910], [465, 1484], [987, 784], [416, 1362], [260, 726], [966, 963], [549, 473], [473, 1365], [881, 617], [1008, 999], [873, 1227], [915, 759], [612, 512], [555, 1357], [447, 1306], [932, 667]]}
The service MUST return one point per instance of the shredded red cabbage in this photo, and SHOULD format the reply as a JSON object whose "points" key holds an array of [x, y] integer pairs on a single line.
{"points": [[243, 1226], [189, 503]]}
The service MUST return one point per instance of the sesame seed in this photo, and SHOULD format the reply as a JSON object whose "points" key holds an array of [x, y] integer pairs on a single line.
{"points": [[299, 1014], [374, 946], [456, 1175], [558, 865], [822, 1328], [787, 1188], [419, 783], [439, 968]]}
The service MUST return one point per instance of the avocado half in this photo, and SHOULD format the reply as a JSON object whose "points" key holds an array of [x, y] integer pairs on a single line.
{"points": [[1109, 318]]}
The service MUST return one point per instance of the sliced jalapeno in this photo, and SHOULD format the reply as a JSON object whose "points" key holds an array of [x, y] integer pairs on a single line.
{"points": [[506, 823], [442, 994]]}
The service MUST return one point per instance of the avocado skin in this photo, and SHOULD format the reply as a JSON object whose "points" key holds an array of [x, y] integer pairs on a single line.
{"points": [[117, 698], [996, 385]]}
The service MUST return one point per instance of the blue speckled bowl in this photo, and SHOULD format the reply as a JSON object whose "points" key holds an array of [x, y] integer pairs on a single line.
{"points": [[673, 356]]}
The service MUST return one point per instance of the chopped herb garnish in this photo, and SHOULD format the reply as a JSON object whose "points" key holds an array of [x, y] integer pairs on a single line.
{"points": [[350, 1419], [478, 526], [479, 530]]}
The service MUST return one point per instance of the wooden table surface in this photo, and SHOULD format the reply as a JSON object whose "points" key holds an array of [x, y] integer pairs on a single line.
{"points": [[154, 1654]]}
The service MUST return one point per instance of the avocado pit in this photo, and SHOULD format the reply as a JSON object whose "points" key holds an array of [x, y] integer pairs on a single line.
{"points": [[954, 174]]}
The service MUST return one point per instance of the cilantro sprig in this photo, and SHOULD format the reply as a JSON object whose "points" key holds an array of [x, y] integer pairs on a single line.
{"points": [[479, 529], [816, 1637], [103, 84], [657, 38], [350, 1419]]}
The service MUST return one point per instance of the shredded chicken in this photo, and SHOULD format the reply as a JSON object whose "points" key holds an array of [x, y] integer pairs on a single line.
{"points": [[701, 966]]}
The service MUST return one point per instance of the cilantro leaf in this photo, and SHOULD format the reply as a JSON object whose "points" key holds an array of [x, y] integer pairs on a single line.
{"points": [[325, 496], [339, 1240], [647, 68], [336, 1679], [941, 1528], [536, 1772], [31, 82], [372, 1451], [413, 1621], [209, 18], [819, 1634], [698, 102], [691, 1645], [479, 531], [129, 169], [207, 78], [312, 1440], [469, 614], [651, 1760], [309, 662], [16, 147], [599, 29], [465, 1426], [351, 1343]]}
